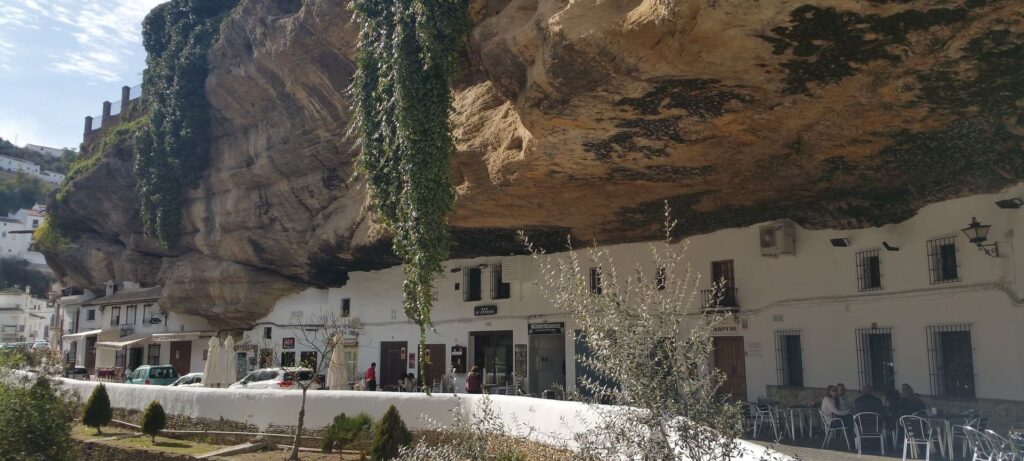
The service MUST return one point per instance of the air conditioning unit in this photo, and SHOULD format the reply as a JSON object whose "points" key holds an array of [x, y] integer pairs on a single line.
{"points": [[778, 238]]}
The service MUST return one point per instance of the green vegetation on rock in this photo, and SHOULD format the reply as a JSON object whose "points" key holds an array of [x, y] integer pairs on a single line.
{"points": [[407, 51], [15, 272], [22, 191], [173, 150]]}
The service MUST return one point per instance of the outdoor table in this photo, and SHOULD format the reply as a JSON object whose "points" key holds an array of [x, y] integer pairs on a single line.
{"points": [[799, 412], [945, 424]]}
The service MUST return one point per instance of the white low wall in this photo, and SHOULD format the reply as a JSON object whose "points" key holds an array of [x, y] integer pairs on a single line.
{"points": [[551, 422]]}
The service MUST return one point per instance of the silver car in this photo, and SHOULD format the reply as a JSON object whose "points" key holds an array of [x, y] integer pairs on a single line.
{"points": [[274, 378]]}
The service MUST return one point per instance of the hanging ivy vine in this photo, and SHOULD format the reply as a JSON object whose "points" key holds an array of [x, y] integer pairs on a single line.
{"points": [[173, 150], [407, 53]]}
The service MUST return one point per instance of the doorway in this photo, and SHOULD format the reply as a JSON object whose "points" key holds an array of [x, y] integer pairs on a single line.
{"points": [[392, 363], [731, 360], [436, 369], [134, 358], [90, 353], [547, 362], [492, 352], [181, 356]]}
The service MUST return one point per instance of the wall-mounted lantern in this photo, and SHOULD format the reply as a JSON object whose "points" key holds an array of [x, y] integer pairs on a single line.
{"points": [[977, 233]]}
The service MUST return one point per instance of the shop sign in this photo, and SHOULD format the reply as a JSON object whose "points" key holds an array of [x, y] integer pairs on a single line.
{"points": [[485, 310], [548, 328], [287, 343]]}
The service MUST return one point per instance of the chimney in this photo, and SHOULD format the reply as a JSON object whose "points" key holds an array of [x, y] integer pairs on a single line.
{"points": [[111, 288], [106, 110], [88, 124], [126, 92]]}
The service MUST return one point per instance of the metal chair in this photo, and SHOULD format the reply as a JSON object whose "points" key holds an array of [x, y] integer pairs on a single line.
{"points": [[980, 445], [917, 431], [868, 425], [749, 418], [830, 425], [1002, 448], [1018, 443], [766, 414]]}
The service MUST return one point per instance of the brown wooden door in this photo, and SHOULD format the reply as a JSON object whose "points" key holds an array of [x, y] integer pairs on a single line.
{"points": [[730, 358], [181, 356], [437, 367], [392, 363], [90, 353]]}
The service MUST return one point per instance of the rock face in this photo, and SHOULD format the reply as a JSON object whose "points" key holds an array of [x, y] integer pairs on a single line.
{"points": [[578, 117]]}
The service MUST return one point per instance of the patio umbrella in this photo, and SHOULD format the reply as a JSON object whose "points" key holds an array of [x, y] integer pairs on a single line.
{"points": [[212, 357], [230, 363], [337, 373]]}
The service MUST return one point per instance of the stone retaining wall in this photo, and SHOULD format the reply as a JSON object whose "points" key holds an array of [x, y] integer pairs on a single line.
{"points": [[95, 451]]}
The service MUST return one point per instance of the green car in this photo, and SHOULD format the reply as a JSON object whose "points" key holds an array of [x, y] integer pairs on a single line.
{"points": [[159, 375]]}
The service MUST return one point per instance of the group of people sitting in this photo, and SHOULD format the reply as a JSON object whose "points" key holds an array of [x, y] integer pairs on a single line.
{"points": [[835, 404]]}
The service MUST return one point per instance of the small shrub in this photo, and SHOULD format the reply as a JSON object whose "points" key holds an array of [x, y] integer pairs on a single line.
{"points": [[153, 420], [345, 430], [389, 436], [35, 422], [97, 412]]}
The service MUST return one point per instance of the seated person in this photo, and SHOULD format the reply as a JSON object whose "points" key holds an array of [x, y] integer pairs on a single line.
{"points": [[831, 410], [910, 402], [409, 383], [867, 402]]}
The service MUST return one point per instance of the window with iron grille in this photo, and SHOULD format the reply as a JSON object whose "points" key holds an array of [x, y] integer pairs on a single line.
{"points": [[869, 271], [129, 314], [789, 357], [287, 359], [471, 284], [942, 263], [875, 358], [115, 316], [153, 354], [595, 280], [500, 289], [951, 363]]}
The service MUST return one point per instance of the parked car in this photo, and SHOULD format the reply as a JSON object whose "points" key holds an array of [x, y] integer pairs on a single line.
{"points": [[190, 380], [40, 345], [77, 373], [274, 378], [160, 375]]}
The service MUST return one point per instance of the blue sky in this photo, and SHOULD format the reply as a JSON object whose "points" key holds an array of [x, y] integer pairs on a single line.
{"points": [[60, 59]]}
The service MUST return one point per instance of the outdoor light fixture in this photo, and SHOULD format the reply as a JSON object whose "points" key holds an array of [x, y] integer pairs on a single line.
{"points": [[840, 242], [890, 247], [977, 233], [1010, 203]]}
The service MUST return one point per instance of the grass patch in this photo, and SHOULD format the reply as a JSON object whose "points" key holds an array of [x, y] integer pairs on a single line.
{"points": [[138, 441]]}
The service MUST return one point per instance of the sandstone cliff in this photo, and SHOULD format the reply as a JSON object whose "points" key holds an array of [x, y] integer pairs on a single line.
{"points": [[579, 117]]}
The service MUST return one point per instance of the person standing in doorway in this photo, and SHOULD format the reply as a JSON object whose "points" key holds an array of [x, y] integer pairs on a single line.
{"points": [[371, 377], [473, 381]]}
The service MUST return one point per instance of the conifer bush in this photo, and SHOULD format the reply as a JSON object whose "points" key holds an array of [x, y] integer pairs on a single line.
{"points": [[97, 412], [389, 436], [344, 431], [153, 420]]}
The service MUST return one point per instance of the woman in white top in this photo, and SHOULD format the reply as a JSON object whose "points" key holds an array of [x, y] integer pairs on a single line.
{"points": [[831, 410]]}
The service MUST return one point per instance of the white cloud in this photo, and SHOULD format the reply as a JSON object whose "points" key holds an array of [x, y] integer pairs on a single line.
{"points": [[104, 34]]}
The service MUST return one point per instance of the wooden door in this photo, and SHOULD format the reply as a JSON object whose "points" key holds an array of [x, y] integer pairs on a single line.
{"points": [[392, 363], [181, 356], [730, 358], [722, 272], [436, 370], [90, 353]]}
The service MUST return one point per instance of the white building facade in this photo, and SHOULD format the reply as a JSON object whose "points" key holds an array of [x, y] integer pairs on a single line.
{"points": [[126, 328], [913, 302], [23, 318], [17, 235], [17, 165], [51, 151]]}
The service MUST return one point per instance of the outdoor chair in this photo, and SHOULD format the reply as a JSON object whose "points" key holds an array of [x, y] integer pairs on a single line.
{"points": [[766, 414], [980, 445], [749, 418], [917, 431], [868, 425], [1002, 448], [1017, 439], [975, 421], [832, 425]]}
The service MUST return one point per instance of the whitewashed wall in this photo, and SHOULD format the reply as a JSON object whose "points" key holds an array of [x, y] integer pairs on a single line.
{"points": [[547, 421]]}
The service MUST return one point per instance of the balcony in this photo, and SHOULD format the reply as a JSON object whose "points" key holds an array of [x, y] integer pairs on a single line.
{"points": [[126, 330], [723, 299]]}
